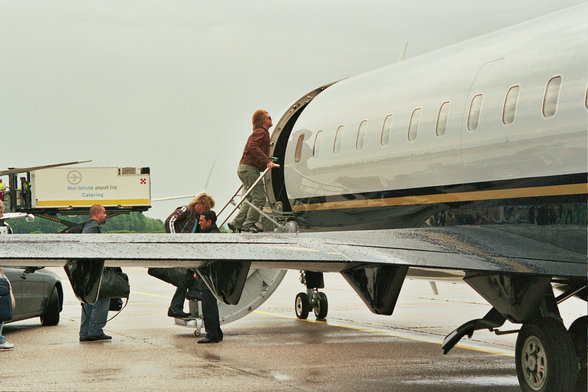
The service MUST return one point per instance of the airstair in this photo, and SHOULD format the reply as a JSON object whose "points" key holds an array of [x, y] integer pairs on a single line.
{"points": [[280, 221], [260, 283]]}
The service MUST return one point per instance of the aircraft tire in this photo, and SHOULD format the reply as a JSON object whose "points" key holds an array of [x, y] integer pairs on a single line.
{"points": [[51, 314], [322, 306], [301, 306], [578, 332], [545, 357]]}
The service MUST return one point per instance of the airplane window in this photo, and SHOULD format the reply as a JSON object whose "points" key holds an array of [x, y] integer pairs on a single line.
{"points": [[338, 137], [317, 144], [361, 135], [510, 105], [475, 109], [551, 97], [413, 126], [298, 151], [442, 118], [385, 136]]}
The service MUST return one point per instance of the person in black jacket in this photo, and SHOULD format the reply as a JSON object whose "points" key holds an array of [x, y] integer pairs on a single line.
{"points": [[185, 219], [94, 316], [214, 333]]}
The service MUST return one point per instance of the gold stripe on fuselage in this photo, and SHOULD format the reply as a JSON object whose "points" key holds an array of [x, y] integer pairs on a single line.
{"points": [[515, 193]]}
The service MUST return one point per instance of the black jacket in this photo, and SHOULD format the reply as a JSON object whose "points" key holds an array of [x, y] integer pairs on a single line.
{"points": [[212, 229]]}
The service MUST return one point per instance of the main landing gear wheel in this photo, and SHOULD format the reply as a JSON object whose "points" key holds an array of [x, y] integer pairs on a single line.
{"points": [[321, 306], [302, 306], [578, 333], [545, 357]]}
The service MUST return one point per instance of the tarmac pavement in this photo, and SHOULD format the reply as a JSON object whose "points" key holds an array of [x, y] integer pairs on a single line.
{"points": [[269, 350]]}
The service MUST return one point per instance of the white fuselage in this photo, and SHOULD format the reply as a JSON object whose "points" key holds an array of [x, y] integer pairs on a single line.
{"points": [[404, 142]]}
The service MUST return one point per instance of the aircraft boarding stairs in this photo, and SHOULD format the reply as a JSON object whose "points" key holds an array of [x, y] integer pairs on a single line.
{"points": [[278, 220], [261, 283]]}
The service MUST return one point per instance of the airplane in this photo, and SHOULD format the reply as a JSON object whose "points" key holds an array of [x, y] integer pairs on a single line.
{"points": [[472, 158]]}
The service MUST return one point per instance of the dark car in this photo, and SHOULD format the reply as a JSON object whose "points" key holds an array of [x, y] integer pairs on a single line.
{"points": [[38, 293]]}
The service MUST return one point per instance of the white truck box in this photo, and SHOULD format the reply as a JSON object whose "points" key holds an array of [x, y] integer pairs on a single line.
{"points": [[78, 187]]}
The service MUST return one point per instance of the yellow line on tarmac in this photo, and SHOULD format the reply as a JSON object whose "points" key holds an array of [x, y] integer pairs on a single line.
{"points": [[414, 336], [148, 294], [401, 335]]}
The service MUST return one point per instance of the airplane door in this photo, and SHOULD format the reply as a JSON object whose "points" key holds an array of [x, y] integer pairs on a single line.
{"points": [[260, 285], [482, 114]]}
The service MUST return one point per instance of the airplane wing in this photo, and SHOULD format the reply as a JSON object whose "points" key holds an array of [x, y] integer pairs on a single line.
{"points": [[374, 262], [475, 248]]}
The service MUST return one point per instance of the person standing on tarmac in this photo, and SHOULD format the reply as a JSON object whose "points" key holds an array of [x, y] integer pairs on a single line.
{"points": [[254, 160], [5, 229], [94, 316], [214, 333]]}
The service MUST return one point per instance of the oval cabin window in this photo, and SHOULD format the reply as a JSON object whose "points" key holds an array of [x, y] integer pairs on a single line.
{"points": [[361, 135], [474, 113], [442, 118], [509, 109], [338, 137], [551, 97], [413, 126], [298, 151], [385, 136], [317, 144]]}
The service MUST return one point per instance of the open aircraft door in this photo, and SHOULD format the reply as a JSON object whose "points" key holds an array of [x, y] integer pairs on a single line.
{"points": [[260, 285]]}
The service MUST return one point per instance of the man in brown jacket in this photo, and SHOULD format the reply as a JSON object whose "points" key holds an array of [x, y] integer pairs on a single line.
{"points": [[254, 160]]}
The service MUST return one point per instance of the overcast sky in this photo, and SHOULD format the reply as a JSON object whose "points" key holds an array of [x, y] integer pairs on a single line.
{"points": [[172, 84]]}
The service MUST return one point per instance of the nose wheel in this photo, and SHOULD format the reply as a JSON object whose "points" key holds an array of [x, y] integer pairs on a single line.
{"points": [[317, 302], [302, 306]]}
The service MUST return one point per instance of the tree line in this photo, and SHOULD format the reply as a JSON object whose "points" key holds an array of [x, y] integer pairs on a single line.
{"points": [[134, 222]]}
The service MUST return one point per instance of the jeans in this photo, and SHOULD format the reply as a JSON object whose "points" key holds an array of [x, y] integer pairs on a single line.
{"points": [[249, 216], [2, 338], [94, 318]]}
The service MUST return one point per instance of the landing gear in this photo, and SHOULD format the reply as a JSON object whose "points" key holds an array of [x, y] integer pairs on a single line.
{"points": [[302, 306], [317, 302], [578, 333], [312, 299], [545, 357], [321, 306], [548, 357]]}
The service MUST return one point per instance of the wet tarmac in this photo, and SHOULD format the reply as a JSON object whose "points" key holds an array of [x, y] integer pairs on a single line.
{"points": [[269, 350]]}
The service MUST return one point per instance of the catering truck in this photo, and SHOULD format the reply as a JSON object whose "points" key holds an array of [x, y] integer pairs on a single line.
{"points": [[75, 189]]}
